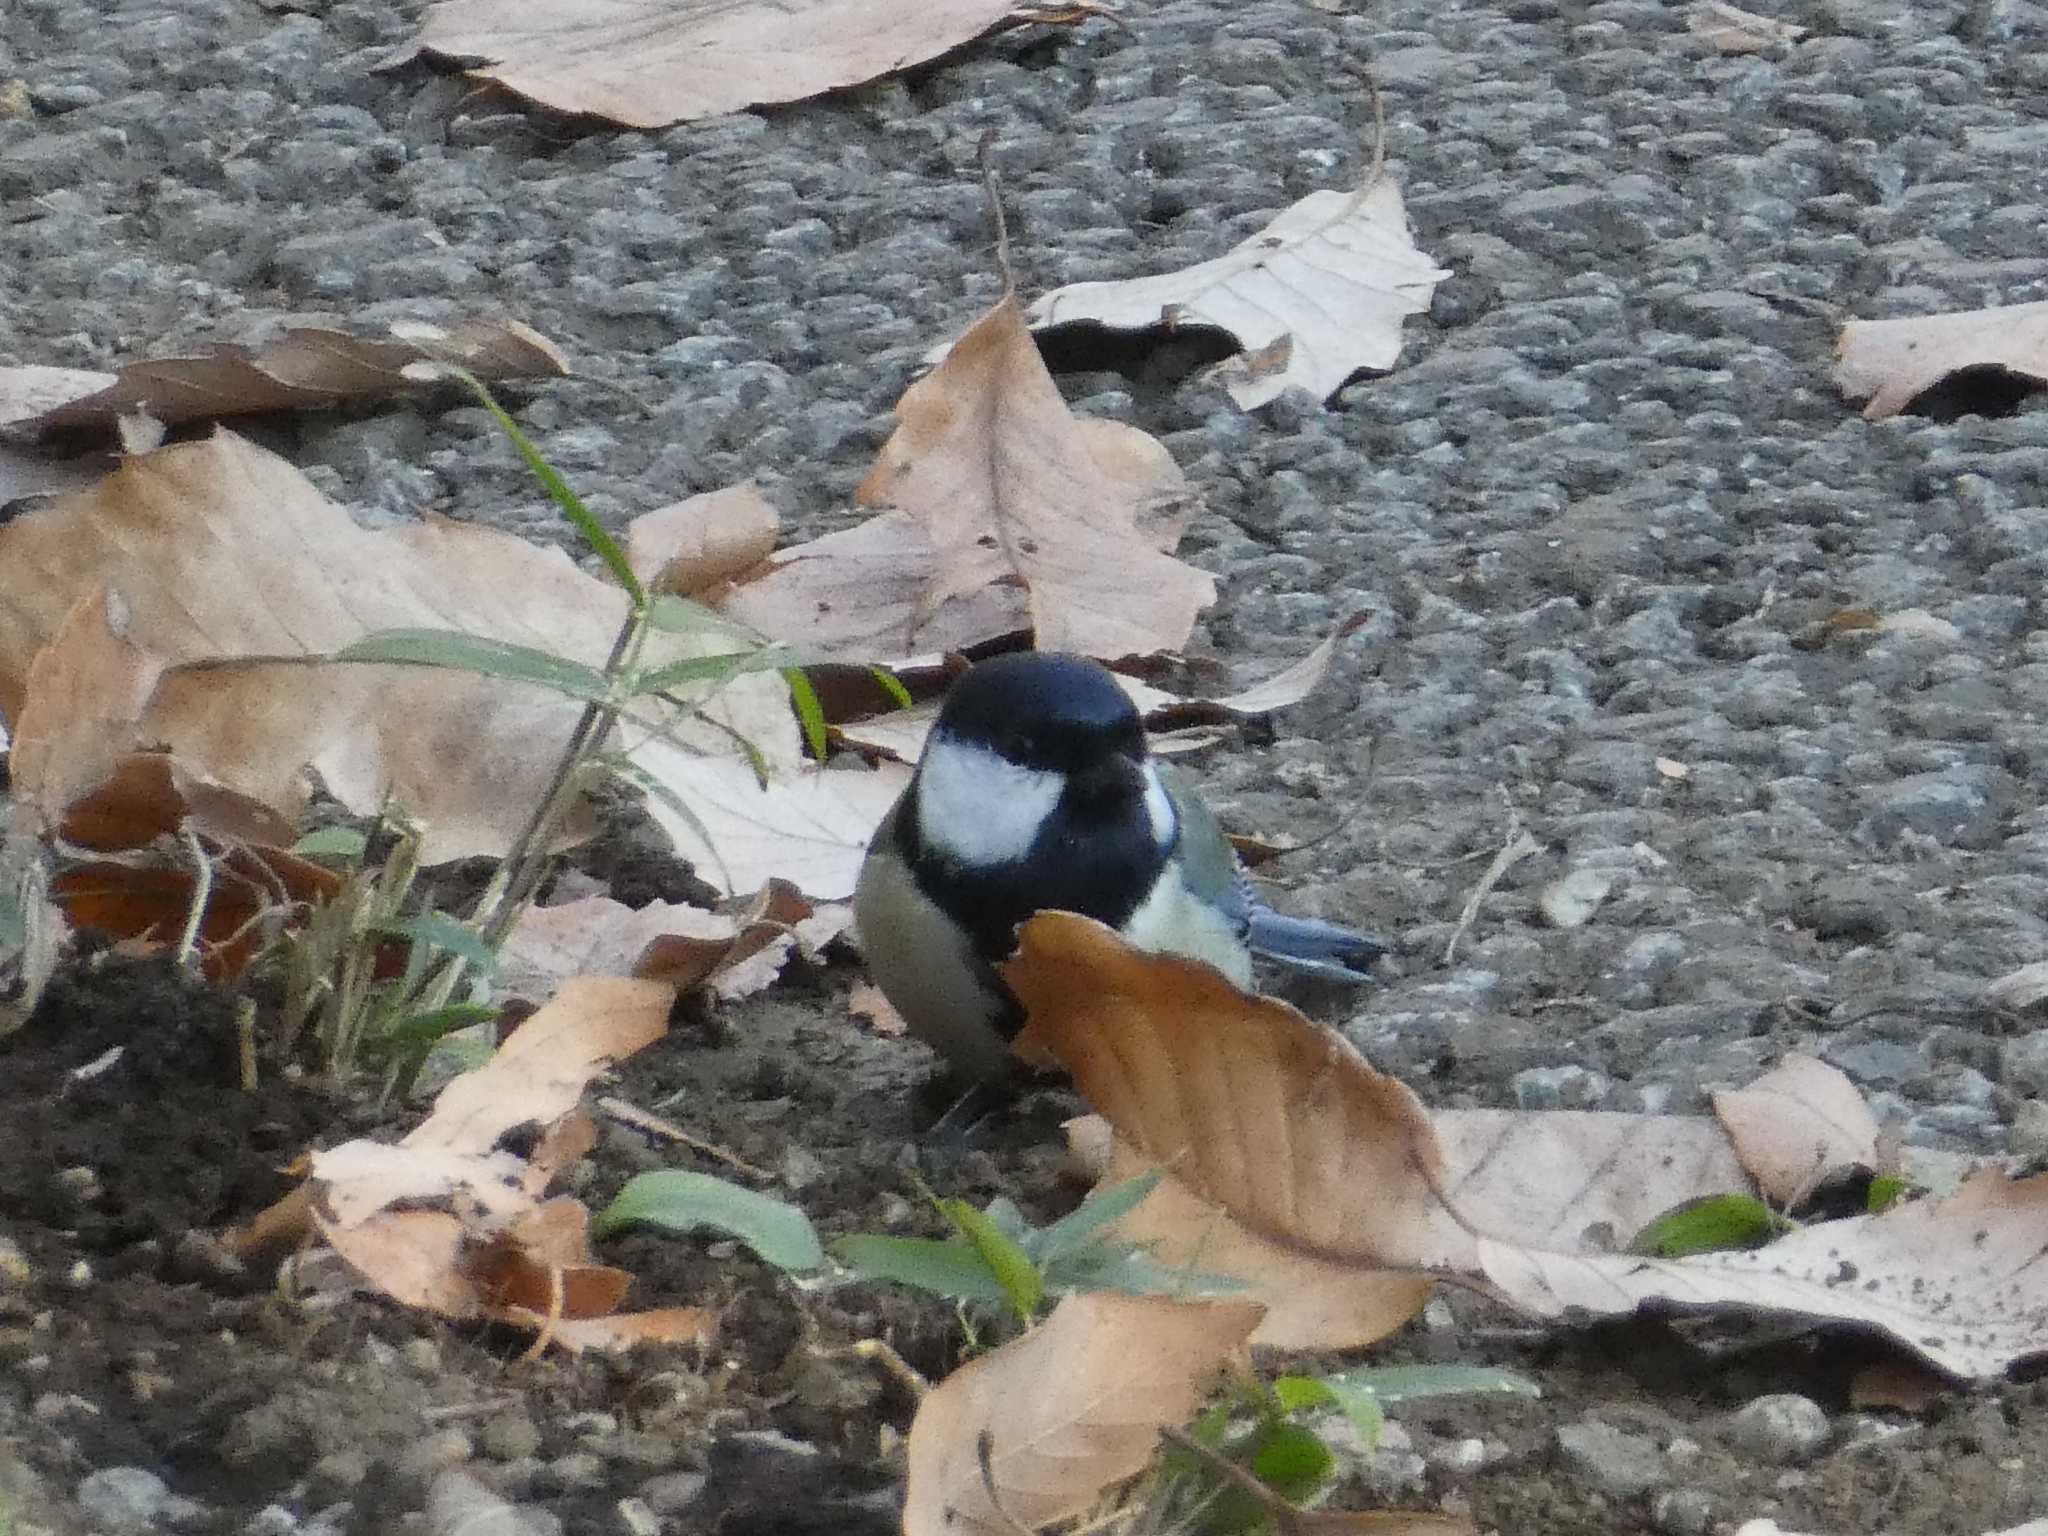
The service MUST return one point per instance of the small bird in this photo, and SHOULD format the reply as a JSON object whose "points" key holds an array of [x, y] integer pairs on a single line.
{"points": [[1035, 790]]}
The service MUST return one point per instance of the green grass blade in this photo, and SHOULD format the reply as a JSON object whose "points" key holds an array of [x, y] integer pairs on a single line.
{"points": [[607, 547], [625, 768], [1391, 1384], [1010, 1264], [893, 686], [710, 669], [808, 710], [422, 1029], [687, 616], [460, 652], [680, 1201], [346, 844]]}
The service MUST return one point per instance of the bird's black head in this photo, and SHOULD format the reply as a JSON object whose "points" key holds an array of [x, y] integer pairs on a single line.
{"points": [[1037, 709]]}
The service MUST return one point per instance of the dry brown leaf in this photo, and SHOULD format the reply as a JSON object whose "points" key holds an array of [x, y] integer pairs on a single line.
{"points": [[147, 795], [737, 954], [1795, 1125], [1961, 1280], [1013, 488], [1895, 361], [1244, 1100], [866, 1001], [628, 1330], [1312, 298], [540, 1072], [306, 368], [650, 63], [229, 559], [861, 593], [690, 546], [1732, 30], [1310, 1303], [1069, 1410], [414, 1257], [79, 705]]}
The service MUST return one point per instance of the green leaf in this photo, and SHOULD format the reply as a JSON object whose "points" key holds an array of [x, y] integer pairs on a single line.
{"points": [[1886, 1190], [1008, 1262], [417, 1030], [1298, 1393], [437, 930], [679, 1201], [1391, 1384], [485, 657], [1710, 1224], [607, 547], [1292, 1460], [345, 843], [952, 1267], [1092, 1215], [808, 710]]}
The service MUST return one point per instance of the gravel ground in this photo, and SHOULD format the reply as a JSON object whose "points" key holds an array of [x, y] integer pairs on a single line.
{"points": [[1598, 518]]}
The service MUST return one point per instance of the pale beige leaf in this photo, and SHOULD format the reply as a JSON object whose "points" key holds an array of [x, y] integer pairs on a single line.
{"points": [[414, 1257], [649, 63], [689, 546], [1311, 1303], [1961, 1281], [987, 454], [30, 389], [1893, 361], [80, 702], [539, 1074], [1312, 298], [1579, 1179], [1069, 1410], [810, 825], [628, 1330], [1796, 1124], [307, 368], [860, 594], [1292, 684], [866, 1001], [360, 1178], [1733, 30]]}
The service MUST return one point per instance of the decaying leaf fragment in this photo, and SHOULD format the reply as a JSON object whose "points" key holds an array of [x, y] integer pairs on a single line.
{"points": [[1064, 1413], [1893, 362], [307, 368], [1312, 298], [1799, 1122], [650, 63]]}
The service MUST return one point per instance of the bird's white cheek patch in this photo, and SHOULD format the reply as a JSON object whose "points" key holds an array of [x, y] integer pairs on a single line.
{"points": [[978, 807], [1159, 806]]}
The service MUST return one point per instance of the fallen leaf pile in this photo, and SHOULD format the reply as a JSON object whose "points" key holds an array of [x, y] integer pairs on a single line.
{"points": [[451, 1221]]}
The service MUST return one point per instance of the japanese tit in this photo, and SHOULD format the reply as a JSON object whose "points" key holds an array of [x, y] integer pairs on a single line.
{"points": [[1035, 790]]}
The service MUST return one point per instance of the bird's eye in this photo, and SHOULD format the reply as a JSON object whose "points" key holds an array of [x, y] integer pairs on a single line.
{"points": [[1023, 747]]}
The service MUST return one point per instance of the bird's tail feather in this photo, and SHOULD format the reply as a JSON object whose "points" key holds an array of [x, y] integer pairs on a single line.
{"points": [[1311, 945]]}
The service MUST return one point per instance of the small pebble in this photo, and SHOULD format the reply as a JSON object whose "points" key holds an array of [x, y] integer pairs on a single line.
{"points": [[1779, 1428], [1619, 1464]]}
